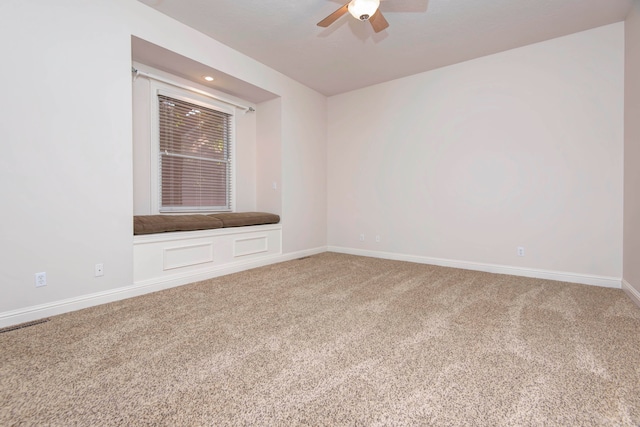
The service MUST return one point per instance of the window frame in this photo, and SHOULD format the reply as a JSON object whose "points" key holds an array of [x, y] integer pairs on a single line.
{"points": [[159, 88]]}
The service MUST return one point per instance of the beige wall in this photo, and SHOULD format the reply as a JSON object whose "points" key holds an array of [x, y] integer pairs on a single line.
{"points": [[269, 156], [468, 162], [631, 273], [67, 163], [304, 174]]}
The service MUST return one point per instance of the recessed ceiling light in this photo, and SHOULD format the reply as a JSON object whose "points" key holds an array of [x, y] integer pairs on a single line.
{"points": [[208, 78]]}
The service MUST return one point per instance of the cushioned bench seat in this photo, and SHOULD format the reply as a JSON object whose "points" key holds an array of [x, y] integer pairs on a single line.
{"points": [[242, 219], [151, 224]]}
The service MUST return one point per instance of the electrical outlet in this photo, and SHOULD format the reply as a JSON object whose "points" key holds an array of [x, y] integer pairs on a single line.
{"points": [[520, 251], [378, 239], [362, 237], [99, 270], [41, 279]]}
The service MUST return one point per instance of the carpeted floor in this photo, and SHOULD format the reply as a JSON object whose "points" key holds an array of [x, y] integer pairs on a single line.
{"points": [[334, 340]]}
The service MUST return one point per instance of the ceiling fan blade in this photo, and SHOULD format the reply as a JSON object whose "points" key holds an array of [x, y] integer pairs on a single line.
{"points": [[378, 22], [334, 16]]}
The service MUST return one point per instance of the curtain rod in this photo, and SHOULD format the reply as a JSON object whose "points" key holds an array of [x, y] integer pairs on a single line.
{"points": [[198, 91]]}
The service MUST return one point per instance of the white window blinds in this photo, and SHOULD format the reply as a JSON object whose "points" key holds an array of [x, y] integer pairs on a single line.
{"points": [[195, 157]]}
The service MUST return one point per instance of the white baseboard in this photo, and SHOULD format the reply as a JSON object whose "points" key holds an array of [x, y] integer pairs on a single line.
{"points": [[304, 253], [609, 282], [36, 312], [632, 292]]}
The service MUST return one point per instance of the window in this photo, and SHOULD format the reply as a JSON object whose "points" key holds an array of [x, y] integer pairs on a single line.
{"points": [[194, 155]]}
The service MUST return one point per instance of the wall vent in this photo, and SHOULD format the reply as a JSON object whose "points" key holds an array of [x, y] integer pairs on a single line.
{"points": [[23, 325]]}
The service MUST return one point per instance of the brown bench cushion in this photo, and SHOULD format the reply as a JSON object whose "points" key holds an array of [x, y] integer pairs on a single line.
{"points": [[150, 224], [241, 219]]}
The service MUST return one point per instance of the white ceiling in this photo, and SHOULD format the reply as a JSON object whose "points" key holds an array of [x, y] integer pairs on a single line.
{"points": [[423, 34]]}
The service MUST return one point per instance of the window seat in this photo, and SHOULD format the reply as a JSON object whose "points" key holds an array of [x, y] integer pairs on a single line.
{"points": [[171, 250], [151, 224]]}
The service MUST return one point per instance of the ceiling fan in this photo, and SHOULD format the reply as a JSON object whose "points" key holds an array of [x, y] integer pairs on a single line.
{"points": [[364, 10]]}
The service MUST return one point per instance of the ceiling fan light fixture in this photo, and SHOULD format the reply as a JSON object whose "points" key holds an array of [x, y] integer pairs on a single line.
{"points": [[363, 9]]}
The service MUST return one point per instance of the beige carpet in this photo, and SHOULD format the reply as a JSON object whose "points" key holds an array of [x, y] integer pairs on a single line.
{"points": [[334, 340]]}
